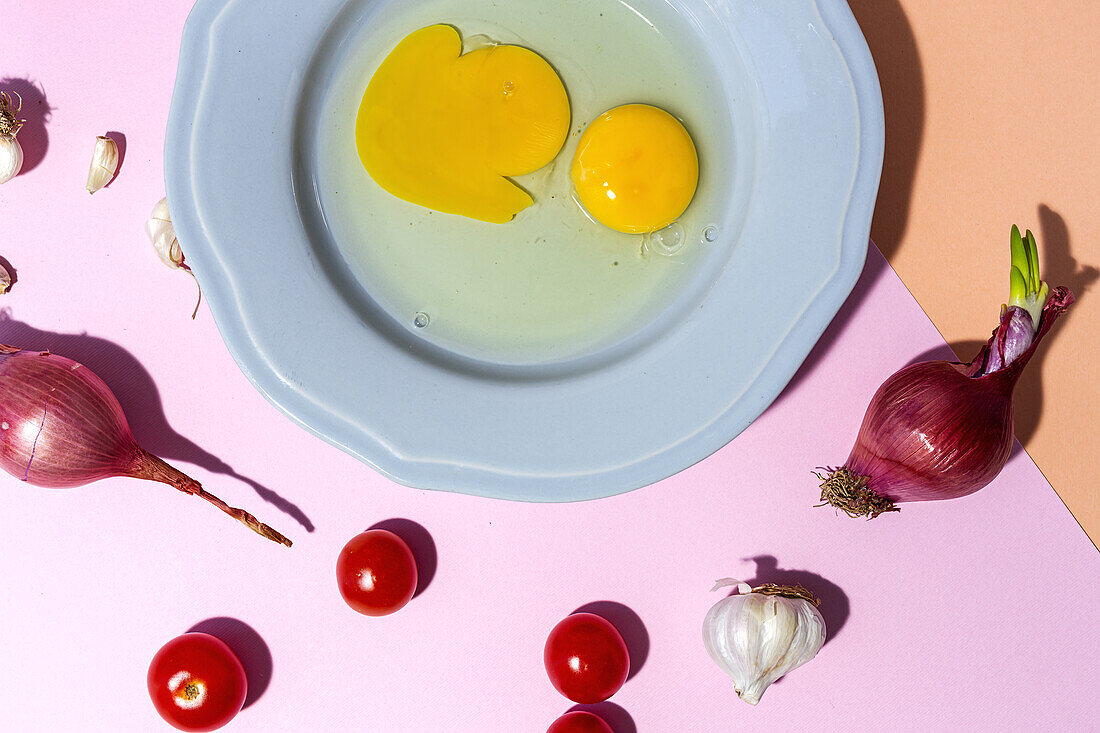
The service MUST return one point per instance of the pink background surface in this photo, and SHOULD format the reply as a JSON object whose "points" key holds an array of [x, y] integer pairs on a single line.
{"points": [[978, 613]]}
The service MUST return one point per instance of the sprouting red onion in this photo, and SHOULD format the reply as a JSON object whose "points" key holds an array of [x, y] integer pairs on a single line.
{"points": [[938, 429], [61, 426], [1011, 340]]}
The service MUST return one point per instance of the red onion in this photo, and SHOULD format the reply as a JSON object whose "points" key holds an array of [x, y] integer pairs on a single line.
{"points": [[938, 429], [61, 426]]}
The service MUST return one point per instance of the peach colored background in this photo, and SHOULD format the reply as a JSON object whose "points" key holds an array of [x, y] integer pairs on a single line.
{"points": [[992, 116]]}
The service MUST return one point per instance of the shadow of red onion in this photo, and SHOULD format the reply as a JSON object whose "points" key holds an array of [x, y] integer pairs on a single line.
{"points": [[629, 626], [140, 399], [1058, 267], [249, 647], [422, 545], [834, 606], [619, 720], [35, 112]]}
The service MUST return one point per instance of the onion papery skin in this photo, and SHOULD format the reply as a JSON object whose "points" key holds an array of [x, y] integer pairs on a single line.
{"points": [[931, 432], [935, 430], [62, 410]]}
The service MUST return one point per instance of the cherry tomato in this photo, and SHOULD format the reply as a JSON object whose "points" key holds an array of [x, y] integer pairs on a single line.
{"points": [[579, 721], [196, 682], [376, 572], [586, 658]]}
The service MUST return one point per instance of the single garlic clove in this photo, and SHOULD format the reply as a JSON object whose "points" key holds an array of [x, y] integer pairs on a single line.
{"points": [[5, 280], [160, 211], [104, 163], [759, 636], [11, 158], [163, 236]]}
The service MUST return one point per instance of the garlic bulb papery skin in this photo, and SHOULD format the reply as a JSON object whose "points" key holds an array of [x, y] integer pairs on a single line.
{"points": [[11, 152], [104, 163], [11, 158], [761, 634]]}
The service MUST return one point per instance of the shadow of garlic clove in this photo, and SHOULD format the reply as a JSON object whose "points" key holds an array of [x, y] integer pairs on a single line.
{"points": [[762, 633], [104, 163]]}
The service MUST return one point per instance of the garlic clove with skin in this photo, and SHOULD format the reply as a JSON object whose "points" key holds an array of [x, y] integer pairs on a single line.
{"points": [[104, 163], [162, 233], [761, 634], [5, 280], [163, 236]]}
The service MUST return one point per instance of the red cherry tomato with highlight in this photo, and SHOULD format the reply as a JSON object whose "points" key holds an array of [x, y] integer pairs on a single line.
{"points": [[579, 721], [586, 658], [197, 683], [376, 572]]}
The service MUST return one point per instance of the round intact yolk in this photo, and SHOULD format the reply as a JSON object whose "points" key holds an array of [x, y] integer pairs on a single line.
{"points": [[636, 168]]}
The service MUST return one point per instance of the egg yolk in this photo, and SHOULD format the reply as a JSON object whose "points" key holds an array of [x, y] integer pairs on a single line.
{"points": [[635, 169], [443, 130]]}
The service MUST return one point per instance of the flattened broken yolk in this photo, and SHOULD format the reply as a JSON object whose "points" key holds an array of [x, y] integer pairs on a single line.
{"points": [[442, 130]]}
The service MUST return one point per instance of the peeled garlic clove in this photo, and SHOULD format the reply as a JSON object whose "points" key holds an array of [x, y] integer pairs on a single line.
{"points": [[104, 163], [761, 634]]}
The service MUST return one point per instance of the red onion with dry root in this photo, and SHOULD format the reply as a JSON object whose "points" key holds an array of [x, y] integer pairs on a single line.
{"points": [[61, 426], [941, 430]]}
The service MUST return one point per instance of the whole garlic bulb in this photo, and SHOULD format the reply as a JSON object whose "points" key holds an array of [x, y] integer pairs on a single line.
{"points": [[761, 634], [11, 153], [11, 158]]}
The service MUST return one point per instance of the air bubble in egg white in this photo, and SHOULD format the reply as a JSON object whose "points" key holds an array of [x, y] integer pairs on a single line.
{"points": [[421, 320], [665, 241], [709, 234]]}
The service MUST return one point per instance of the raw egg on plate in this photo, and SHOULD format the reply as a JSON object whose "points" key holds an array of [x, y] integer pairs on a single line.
{"points": [[444, 130], [436, 107]]}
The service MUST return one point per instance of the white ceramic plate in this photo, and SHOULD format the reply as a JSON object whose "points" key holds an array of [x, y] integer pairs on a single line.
{"points": [[804, 98]]}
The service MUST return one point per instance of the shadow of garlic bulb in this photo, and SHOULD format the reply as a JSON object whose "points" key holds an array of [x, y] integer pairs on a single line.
{"points": [[761, 634]]}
